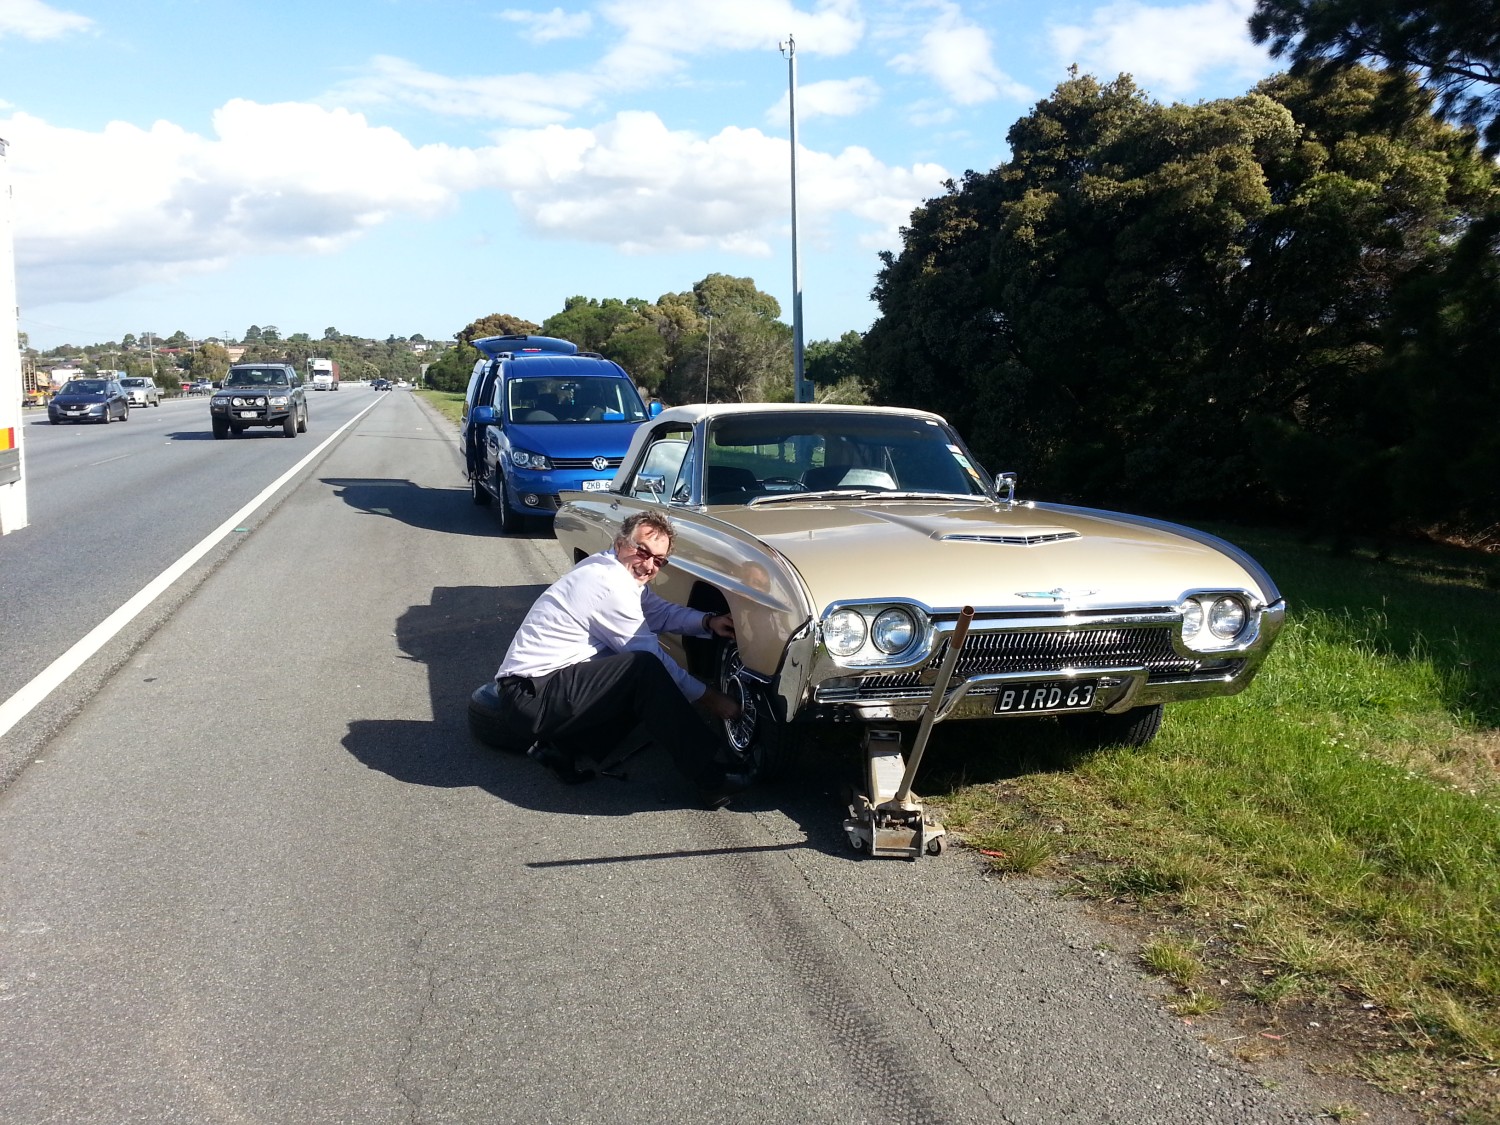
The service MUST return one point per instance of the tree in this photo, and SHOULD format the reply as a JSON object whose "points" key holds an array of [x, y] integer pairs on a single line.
{"points": [[452, 369], [1452, 45], [832, 361], [1182, 307], [252, 334], [332, 334]]}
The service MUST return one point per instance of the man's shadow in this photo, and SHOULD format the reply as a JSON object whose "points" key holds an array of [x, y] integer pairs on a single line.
{"points": [[460, 637]]}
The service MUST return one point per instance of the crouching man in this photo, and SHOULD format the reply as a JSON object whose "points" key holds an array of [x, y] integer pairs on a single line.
{"points": [[586, 665]]}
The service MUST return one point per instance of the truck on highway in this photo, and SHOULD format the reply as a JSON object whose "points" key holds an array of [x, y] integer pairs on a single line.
{"points": [[323, 374]]}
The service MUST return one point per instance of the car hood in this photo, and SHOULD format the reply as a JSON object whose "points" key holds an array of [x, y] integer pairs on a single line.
{"points": [[946, 554], [589, 439]]}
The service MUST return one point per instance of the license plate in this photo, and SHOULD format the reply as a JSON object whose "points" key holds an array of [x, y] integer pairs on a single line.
{"points": [[597, 485], [249, 414], [1046, 696]]}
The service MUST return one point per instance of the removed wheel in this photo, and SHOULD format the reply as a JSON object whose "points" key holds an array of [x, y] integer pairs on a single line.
{"points": [[485, 723]]}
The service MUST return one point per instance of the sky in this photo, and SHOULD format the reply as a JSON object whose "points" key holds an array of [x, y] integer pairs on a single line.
{"points": [[395, 167]]}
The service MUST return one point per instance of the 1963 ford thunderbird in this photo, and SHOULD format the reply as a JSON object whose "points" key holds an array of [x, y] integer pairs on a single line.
{"points": [[847, 541]]}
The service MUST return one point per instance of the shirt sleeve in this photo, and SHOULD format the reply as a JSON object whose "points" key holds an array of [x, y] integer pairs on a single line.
{"points": [[620, 624]]}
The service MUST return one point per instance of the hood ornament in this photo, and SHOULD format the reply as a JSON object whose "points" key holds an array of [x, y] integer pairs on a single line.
{"points": [[1057, 595]]}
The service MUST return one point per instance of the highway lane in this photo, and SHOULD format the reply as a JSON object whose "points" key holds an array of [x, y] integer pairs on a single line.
{"points": [[265, 875], [109, 508]]}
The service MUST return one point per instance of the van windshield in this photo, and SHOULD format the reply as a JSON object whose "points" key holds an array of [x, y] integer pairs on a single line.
{"points": [[573, 400]]}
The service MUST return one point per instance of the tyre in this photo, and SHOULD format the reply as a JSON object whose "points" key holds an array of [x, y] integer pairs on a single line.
{"points": [[511, 521], [760, 745], [105, 419], [485, 723], [221, 428], [236, 431], [289, 424], [302, 421], [1129, 728], [478, 493]]}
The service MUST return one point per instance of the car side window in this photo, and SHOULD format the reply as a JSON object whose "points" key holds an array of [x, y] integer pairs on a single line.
{"points": [[660, 475]]}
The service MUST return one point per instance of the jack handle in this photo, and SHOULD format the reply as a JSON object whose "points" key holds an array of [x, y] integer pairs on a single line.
{"points": [[929, 713]]}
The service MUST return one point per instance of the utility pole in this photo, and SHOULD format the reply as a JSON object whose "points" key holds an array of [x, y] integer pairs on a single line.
{"points": [[802, 391], [708, 363]]}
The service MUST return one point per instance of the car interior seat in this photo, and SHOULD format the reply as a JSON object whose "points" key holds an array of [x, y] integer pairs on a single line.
{"points": [[728, 484]]}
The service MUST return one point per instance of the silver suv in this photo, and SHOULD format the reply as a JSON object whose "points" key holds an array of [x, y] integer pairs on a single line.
{"points": [[142, 392]]}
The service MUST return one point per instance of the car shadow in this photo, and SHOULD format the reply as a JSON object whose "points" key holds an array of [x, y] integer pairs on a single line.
{"points": [[433, 509], [460, 636]]}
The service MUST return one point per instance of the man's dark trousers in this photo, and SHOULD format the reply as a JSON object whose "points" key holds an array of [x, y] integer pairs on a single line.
{"points": [[587, 707]]}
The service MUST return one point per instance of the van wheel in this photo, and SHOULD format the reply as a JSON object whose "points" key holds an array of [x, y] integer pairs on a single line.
{"points": [[511, 521], [478, 493]]}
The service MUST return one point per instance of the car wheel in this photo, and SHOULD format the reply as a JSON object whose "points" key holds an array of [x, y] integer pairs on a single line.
{"points": [[236, 431], [485, 722], [125, 414], [511, 521], [759, 744], [302, 422], [289, 425], [478, 493], [1129, 728], [221, 428]]}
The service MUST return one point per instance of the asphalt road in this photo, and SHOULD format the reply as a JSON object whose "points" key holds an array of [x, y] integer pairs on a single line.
{"points": [[263, 874]]}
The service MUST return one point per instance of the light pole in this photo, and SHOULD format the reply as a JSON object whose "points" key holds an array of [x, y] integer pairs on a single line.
{"points": [[801, 390], [708, 362]]}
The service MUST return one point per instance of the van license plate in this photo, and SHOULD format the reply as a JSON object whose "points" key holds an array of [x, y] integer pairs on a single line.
{"points": [[597, 485], [1046, 696]]}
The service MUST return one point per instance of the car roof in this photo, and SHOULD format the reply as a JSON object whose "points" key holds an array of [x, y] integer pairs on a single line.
{"points": [[546, 366], [696, 412]]}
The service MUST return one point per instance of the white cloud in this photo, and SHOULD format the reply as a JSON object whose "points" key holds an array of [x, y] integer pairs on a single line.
{"points": [[276, 178], [833, 98], [635, 185], [32, 19], [1166, 49], [544, 27], [958, 55], [517, 99], [303, 179]]}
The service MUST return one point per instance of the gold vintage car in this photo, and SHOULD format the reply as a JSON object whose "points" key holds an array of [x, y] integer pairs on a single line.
{"points": [[847, 540]]}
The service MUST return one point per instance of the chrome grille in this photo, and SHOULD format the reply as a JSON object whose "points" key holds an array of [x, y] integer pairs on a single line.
{"points": [[1047, 652], [583, 462]]}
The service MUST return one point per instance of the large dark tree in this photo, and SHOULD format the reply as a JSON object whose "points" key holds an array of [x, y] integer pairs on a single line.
{"points": [[452, 369], [1185, 308], [1452, 45]]}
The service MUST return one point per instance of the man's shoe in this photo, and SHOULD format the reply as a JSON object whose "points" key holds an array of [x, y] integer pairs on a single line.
{"points": [[554, 759]]}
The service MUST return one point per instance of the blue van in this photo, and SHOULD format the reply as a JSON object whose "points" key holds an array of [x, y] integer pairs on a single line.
{"points": [[540, 416]]}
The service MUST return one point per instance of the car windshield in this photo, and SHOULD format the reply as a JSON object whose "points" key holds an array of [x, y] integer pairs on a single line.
{"points": [[85, 387], [762, 457], [132, 382], [256, 377], [585, 399]]}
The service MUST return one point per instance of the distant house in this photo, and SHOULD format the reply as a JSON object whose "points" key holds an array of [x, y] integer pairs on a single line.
{"points": [[236, 352]]}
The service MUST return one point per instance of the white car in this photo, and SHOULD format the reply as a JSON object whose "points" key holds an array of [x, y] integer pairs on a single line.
{"points": [[142, 392]]}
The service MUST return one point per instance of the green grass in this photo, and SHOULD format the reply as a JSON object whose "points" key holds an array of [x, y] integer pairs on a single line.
{"points": [[449, 404], [1336, 827]]}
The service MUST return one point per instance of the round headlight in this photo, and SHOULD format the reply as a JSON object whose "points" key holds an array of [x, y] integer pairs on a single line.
{"points": [[893, 631], [1192, 619], [1226, 618], [844, 632]]}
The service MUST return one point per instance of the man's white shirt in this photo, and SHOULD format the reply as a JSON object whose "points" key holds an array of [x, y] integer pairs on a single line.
{"points": [[598, 609]]}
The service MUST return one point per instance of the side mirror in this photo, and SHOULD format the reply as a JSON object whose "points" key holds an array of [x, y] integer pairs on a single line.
{"points": [[654, 483], [655, 408], [482, 416]]}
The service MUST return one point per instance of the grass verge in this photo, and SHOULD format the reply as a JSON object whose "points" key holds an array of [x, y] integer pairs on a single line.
{"points": [[1326, 844]]}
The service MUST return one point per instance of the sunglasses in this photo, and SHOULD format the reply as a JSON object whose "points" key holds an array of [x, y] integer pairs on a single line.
{"points": [[644, 553]]}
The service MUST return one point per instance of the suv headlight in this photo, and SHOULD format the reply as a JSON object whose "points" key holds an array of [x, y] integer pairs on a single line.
{"points": [[525, 459], [1212, 621], [279, 400]]}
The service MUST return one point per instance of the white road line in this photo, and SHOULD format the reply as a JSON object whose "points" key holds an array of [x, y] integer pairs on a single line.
{"points": [[18, 706]]}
